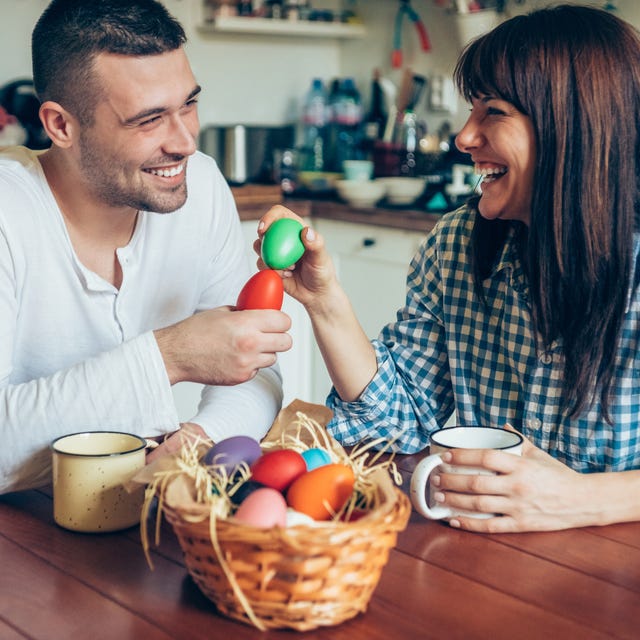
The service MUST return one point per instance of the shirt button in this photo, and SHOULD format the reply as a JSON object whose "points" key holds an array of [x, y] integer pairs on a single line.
{"points": [[546, 358], [534, 423]]}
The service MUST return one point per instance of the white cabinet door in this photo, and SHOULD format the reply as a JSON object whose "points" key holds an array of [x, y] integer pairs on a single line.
{"points": [[372, 264]]}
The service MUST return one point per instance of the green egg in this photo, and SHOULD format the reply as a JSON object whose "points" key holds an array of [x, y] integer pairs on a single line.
{"points": [[281, 244]]}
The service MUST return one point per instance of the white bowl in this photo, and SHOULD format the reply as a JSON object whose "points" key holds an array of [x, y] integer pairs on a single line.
{"points": [[361, 193], [403, 190]]}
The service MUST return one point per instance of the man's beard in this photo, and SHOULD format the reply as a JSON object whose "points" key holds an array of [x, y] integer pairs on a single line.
{"points": [[106, 179]]}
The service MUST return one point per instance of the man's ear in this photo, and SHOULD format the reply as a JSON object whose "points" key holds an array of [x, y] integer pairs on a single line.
{"points": [[59, 124]]}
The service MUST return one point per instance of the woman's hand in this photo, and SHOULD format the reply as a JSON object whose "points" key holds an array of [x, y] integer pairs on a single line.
{"points": [[345, 348], [534, 492], [312, 279]]}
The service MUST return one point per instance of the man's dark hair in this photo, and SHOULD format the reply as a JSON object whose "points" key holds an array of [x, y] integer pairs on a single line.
{"points": [[71, 33]]}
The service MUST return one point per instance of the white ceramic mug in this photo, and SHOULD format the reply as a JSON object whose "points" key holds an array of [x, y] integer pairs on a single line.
{"points": [[89, 471], [456, 438]]}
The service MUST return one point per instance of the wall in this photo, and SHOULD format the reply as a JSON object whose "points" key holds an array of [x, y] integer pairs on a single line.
{"points": [[262, 80]]}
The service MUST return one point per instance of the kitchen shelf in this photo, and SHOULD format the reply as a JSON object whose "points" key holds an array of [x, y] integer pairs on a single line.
{"points": [[269, 27]]}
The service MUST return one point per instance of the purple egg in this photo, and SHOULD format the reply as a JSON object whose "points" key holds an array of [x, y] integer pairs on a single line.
{"points": [[232, 451]]}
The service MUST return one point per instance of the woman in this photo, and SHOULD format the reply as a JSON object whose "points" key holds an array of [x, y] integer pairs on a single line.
{"points": [[523, 307]]}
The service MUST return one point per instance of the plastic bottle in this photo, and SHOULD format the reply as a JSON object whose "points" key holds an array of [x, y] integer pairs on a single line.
{"points": [[315, 117], [347, 121]]}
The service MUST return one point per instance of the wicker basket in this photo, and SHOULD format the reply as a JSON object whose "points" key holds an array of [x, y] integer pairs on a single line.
{"points": [[300, 577]]}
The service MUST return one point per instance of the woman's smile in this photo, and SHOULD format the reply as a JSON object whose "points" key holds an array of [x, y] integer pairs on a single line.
{"points": [[501, 143]]}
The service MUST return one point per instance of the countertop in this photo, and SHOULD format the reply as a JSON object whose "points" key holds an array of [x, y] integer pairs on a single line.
{"points": [[253, 201]]}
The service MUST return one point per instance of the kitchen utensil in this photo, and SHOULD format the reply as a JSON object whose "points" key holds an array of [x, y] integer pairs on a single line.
{"points": [[418, 85], [406, 9]]}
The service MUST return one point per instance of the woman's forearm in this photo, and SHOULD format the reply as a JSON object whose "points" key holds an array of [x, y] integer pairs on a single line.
{"points": [[347, 352]]}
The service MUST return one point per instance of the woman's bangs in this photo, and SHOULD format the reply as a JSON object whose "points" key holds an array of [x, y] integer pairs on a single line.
{"points": [[486, 68]]}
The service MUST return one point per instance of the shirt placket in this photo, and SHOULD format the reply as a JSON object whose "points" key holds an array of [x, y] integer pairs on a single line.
{"points": [[537, 418]]}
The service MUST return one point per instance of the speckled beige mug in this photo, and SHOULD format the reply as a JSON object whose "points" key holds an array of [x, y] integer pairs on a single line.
{"points": [[89, 472]]}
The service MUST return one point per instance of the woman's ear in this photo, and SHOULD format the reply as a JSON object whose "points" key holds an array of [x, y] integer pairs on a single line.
{"points": [[59, 124]]}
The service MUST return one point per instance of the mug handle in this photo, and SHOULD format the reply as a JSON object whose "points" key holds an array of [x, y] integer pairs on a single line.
{"points": [[419, 481]]}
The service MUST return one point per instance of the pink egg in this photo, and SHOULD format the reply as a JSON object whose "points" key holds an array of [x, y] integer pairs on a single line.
{"points": [[278, 469], [264, 508]]}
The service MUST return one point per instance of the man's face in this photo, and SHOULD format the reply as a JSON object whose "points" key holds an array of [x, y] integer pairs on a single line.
{"points": [[135, 153]]}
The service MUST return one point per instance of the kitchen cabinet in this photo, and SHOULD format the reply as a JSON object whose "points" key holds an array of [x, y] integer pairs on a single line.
{"points": [[372, 264]]}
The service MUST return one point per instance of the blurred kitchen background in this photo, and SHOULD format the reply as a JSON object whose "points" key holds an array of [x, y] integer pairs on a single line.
{"points": [[291, 90], [258, 59]]}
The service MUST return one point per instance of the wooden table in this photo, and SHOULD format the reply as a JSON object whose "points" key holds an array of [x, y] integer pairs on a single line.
{"points": [[439, 583]]}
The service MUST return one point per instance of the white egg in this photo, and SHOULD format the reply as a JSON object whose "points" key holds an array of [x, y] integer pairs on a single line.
{"points": [[295, 518]]}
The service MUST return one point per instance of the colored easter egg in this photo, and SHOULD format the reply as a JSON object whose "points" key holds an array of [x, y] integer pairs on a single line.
{"points": [[296, 519], [281, 243], [322, 492], [264, 290], [315, 458], [278, 469], [264, 508], [232, 451]]}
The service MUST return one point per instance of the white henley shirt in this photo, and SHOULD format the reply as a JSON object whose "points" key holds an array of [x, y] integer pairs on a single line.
{"points": [[78, 354]]}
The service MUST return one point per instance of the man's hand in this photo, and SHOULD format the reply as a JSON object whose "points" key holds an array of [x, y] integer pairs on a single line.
{"points": [[223, 347], [188, 433]]}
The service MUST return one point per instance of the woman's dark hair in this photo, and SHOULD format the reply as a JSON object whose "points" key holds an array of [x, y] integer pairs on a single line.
{"points": [[70, 33], [575, 72]]}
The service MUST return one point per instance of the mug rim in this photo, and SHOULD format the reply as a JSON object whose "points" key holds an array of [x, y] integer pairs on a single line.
{"points": [[432, 438], [141, 440]]}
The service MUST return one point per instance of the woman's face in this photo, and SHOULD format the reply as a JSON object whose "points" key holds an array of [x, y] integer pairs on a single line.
{"points": [[501, 143]]}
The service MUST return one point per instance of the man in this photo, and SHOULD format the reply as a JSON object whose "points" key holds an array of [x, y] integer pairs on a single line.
{"points": [[119, 248]]}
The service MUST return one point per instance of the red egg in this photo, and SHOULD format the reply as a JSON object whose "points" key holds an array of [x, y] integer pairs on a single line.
{"points": [[264, 290], [278, 469], [322, 492]]}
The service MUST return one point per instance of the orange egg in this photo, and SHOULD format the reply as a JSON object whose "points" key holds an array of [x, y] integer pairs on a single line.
{"points": [[322, 492]]}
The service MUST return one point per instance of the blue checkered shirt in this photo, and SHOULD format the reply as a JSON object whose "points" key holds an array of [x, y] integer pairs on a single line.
{"points": [[447, 352]]}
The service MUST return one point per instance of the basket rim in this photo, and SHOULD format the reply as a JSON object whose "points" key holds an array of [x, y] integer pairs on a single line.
{"points": [[198, 512]]}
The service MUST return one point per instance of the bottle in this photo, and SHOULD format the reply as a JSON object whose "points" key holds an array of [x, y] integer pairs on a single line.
{"points": [[332, 141], [376, 119], [314, 124], [245, 7], [346, 122]]}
